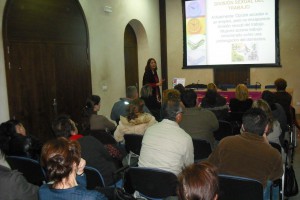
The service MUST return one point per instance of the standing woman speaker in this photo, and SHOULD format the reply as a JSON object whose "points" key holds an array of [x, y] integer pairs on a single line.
{"points": [[151, 78]]}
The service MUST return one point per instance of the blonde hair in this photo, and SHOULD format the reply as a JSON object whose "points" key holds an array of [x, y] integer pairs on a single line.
{"points": [[241, 92], [212, 86], [264, 106]]}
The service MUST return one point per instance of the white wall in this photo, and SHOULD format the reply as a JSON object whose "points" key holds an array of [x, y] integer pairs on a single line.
{"points": [[289, 29], [106, 32]]}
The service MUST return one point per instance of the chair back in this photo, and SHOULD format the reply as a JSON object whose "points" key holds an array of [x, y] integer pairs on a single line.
{"points": [[237, 188], [152, 183], [225, 129], [31, 169], [102, 136], [133, 143], [202, 149], [93, 178]]}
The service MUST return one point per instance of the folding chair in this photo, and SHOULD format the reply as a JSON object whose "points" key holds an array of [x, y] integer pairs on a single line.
{"points": [[93, 178], [31, 169], [225, 129], [202, 149], [152, 183], [133, 145], [237, 188]]}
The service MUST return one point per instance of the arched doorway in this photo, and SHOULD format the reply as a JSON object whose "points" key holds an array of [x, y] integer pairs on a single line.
{"points": [[47, 61], [131, 57]]}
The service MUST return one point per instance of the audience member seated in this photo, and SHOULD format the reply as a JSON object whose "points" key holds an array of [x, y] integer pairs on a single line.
{"points": [[136, 121], [285, 100], [277, 110], [91, 120], [214, 102], [200, 123], [241, 102], [180, 88], [249, 154], [65, 171], [13, 185], [15, 142], [119, 108], [165, 145], [274, 131], [92, 150], [198, 181], [150, 101]]}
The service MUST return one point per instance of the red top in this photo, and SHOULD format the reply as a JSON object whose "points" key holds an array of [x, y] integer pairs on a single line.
{"points": [[75, 137]]}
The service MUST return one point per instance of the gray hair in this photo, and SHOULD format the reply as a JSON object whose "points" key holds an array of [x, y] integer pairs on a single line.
{"points": [[131, 91], [170, 109]]}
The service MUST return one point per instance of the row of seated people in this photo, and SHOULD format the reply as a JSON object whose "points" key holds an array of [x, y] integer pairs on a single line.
{"points": [[166, 146], [95, 110]]}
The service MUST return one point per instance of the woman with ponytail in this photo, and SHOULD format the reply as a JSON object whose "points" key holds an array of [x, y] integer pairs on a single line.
{"points": [[93, 121]]}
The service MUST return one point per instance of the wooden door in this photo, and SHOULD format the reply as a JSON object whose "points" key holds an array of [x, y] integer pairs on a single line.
{"points": [[46, 57], [31, 87], [131, 57]]}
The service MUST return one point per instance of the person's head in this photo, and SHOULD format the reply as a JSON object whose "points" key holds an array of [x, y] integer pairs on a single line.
{"points": [[12, 127], [280, 84], [255, 121], [189, 98], [61, 158], [135, 107], [172, 110], [241, 92], [171, 94], [266, 108], [92, 103], [180, 88], [132, 92], [198, 181], [63, 126], [211, 97], [151, 65], [212, 86], [146, 91]]}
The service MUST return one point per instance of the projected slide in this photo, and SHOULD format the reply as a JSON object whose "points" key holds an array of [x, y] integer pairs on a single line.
{"points": [[230, 32]]}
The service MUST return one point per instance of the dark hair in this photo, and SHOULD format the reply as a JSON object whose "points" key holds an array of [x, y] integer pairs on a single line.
{"points": [[189, 98], [7, 132], [280, 84], [198, 181], [135, 106], [170, 109], [255, 121], [62, 126], [148, 67], [131, 92], [211, 97], [58, 156], [88, 110], [180, 88]]}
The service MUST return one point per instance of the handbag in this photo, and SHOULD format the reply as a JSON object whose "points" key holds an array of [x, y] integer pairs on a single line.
{"points": [[120, 194], [290, 182]]}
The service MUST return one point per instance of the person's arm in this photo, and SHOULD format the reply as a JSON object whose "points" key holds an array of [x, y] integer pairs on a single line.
{"points": [[189, 159], [80, 176], [108, 124]]}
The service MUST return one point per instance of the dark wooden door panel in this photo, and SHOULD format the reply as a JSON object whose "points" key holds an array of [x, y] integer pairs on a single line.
{"points": [[131, 57], [31, 84], [231, 75]]}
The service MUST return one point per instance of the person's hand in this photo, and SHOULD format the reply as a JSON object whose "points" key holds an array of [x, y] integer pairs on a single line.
{"points": [[81, 166], [160, 82]]}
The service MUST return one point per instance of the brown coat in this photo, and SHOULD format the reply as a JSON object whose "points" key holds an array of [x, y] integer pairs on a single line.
{"points": [[247, 155]]}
